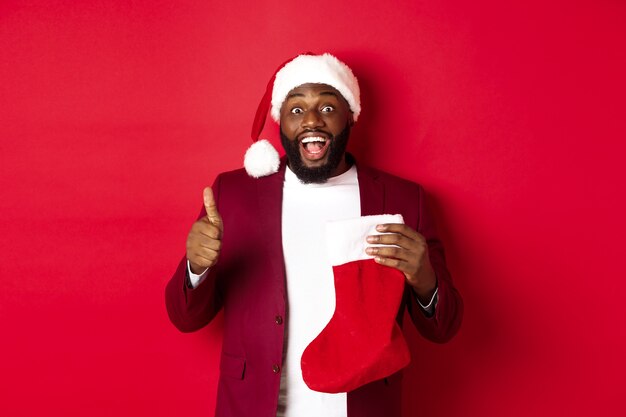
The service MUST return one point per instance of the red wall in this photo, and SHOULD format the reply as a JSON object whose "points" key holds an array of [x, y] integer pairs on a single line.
{"points": [[114, 115]]}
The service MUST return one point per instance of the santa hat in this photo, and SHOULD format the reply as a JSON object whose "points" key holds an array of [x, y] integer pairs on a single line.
{"points": [[261, 158]]}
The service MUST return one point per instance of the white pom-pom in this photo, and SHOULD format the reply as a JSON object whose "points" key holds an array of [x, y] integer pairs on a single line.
{"points": [[261, 159]]}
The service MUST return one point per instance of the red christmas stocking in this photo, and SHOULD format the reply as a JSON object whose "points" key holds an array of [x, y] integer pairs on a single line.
{"points": [[362, 342]]}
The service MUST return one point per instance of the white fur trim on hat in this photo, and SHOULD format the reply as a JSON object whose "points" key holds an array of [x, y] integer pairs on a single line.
{"points": [[261, 159], [316, 69]]}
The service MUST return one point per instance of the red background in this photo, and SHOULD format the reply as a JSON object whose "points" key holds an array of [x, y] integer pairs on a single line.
{"points": [[114, 115]]}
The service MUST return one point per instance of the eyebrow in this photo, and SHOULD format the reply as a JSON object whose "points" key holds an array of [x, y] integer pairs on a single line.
{"points": [[323, 93]]}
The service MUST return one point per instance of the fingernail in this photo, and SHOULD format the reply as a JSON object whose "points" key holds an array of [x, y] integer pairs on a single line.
{"points": [[371, 251], [372, 239], [380, 228]]}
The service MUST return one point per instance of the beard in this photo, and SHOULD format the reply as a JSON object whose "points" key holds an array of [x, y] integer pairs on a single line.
{"points": [[319, 174]]}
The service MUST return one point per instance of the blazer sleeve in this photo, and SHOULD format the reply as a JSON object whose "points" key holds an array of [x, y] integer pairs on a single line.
{"points": [[445, 323], [191, 309]]}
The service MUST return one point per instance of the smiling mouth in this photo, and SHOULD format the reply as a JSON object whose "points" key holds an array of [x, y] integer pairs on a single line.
{"points": [[314, 147]]}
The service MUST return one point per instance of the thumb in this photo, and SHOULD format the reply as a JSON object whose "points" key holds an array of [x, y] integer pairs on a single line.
{"points": [[211, 208]]}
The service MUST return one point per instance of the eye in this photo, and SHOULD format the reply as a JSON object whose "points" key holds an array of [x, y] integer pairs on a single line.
{"points": [[327, 109], [296, 110]]}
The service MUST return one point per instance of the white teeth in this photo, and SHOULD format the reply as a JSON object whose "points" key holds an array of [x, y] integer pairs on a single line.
{"points": [[313, 139]]}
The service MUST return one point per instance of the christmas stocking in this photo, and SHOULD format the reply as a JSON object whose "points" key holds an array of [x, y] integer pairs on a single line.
{"points": [[362, 341]]}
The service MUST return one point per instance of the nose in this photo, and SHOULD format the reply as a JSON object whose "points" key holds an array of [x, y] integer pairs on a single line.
{"points": [[312, 119]]}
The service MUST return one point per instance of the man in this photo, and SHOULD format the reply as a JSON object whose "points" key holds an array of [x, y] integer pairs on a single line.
{"points": [[257, 251]]}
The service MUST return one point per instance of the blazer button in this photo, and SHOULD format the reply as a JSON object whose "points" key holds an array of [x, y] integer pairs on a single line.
{"points": [[275, 368], [278, 320]]}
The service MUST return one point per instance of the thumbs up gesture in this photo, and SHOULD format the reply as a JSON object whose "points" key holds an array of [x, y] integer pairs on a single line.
{"points": [[205, 237]]}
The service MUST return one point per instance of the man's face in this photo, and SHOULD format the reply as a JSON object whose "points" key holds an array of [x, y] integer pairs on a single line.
{"points": [[315, 125]]}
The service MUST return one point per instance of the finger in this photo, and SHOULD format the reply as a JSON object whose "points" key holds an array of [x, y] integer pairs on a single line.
{"points": [[205, 257], [392, 252], [397, 258], [206, 228], [211, 208], [393, 239], [207, 243], [401, 228], [398, 264]]}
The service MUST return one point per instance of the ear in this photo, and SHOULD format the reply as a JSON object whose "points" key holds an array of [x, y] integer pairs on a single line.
{"points": [[351, 119]]}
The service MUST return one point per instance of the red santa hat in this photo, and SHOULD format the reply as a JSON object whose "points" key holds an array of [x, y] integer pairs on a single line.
{"points": [[261, 158]]}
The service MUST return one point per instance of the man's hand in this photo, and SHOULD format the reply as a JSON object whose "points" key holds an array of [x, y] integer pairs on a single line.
{"points": [[205, 237], [409, 255]]}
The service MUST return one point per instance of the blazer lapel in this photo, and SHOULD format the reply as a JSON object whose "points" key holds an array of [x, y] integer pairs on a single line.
{"points": [[270, 199], [371, 191]]}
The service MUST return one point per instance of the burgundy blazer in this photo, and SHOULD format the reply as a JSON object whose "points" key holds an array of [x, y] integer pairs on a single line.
{"points": [[248, 282]]}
